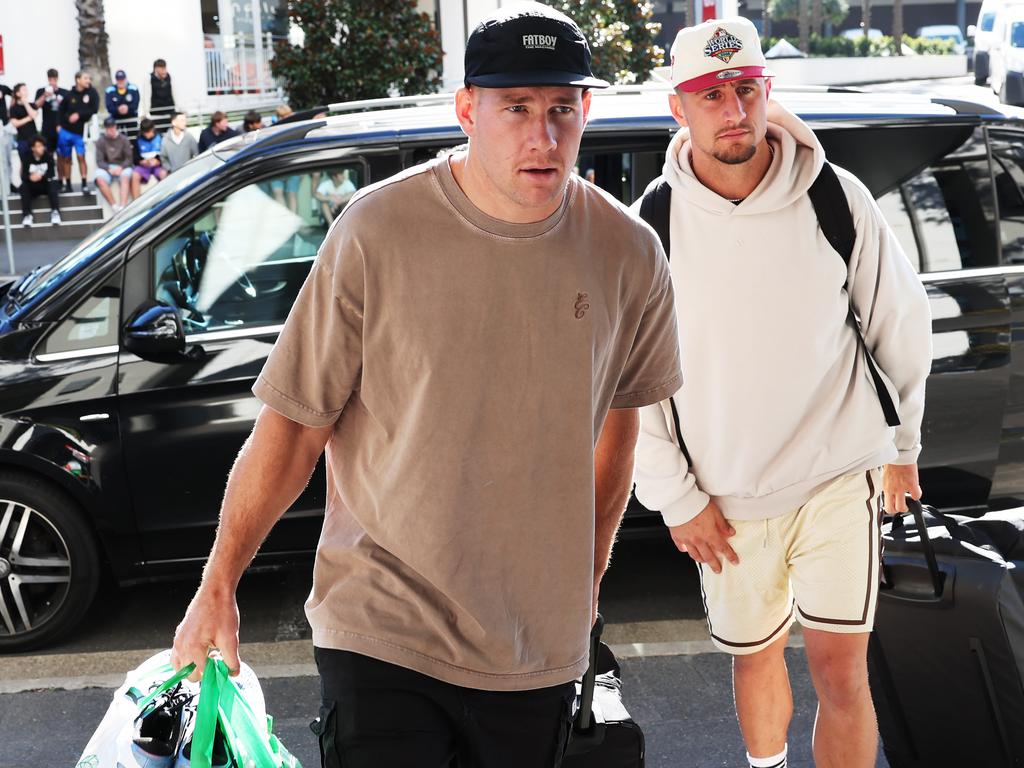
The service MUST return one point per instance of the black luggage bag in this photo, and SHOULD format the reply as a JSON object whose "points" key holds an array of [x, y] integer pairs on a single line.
{"points": [[603, 734], [946, 658]]}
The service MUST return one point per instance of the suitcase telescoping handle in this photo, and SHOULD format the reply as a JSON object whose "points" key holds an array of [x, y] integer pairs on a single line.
{"points": [[914, 508], [584, 715]]}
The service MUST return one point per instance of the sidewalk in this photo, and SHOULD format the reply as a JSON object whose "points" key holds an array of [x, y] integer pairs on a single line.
{"points": [[28, 256], [683, 703]]}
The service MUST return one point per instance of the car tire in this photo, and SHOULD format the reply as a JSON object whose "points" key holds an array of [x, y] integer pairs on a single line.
{"points": [[980, 69], [49, 563]]}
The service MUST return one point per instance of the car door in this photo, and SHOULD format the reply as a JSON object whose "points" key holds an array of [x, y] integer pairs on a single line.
{"points": [[945, 216], [1007, 153], [232, 271]]}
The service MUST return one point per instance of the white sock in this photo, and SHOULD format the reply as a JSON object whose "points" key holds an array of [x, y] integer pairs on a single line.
{"points": [[775, 761]]}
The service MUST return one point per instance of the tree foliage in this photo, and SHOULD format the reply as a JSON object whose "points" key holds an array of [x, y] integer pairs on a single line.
{"points": [[833, 11], [358, 49], [621, 36]]}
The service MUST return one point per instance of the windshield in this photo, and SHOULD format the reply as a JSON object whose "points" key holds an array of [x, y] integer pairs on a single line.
{"points": [[988, 21], [1017, 34], [117, 225]]}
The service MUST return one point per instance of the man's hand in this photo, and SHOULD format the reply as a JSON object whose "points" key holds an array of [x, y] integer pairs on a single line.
{"points": [[73, 117], [211, 621], [706, 537], [35, 177], [123, 109], [114, 170], [897, 481]]}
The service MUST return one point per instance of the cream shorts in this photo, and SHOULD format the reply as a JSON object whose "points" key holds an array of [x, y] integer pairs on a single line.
{"points": [[818, 564]]}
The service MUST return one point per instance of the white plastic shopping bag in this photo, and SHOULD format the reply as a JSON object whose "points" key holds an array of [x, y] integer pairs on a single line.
{"points": [[111, 743]]}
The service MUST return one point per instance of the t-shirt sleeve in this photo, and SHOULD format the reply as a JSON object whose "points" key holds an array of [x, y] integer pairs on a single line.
{"points": [[652, 372], [316, 363]]}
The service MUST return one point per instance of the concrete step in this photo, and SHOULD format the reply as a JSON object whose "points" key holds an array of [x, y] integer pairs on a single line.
{"points": [[41, 210], [72, 200], [42, 229]]}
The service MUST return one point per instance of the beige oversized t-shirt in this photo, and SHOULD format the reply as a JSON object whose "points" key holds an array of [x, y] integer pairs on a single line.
{"points": [[467, 365]]}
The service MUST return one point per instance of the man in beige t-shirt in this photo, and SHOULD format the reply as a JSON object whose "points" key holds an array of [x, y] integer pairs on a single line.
{"points": [[471, 347]]}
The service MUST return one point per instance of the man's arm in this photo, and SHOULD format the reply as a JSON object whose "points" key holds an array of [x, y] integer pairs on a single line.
{"points": [[895, 318], [613, 480], [271, 470]]}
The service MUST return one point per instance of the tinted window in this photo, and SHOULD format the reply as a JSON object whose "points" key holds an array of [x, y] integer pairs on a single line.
{"points": [[987, 20], [1017, 35], [91, 324], [623, 174], [1008, 168], [898, 214], [241, 263]]}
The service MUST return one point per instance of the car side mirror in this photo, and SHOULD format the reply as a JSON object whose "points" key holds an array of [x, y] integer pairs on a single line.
{"points": [[155, 332]]}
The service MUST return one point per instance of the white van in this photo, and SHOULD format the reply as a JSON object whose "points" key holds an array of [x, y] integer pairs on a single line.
{"points": [[1006, 56], [983, 35]]}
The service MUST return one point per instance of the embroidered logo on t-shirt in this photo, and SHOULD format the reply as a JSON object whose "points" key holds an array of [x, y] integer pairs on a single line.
{"points": [[582, 305]]}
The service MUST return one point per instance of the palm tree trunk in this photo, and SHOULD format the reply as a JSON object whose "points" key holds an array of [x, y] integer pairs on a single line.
{"points": [[766, 19], [865, 16], [816, 17], [688, 13], [897, 26], [92, 42], [804, 25]]}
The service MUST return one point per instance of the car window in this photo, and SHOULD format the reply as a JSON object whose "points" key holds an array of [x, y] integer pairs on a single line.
{"points": [[897, 211], [623, 174], [952, 207], [241, 263], [987, 20], [1017, 34], [92, 324], [1008, 170]]}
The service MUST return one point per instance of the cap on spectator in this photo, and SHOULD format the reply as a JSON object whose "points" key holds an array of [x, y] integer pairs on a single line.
{"points": [[120, 75], [109, 121], [529, 44], [717, 52]]}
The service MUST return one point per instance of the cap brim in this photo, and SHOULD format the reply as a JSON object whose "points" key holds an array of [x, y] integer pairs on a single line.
{"points": [[536, 78], [726, 75]]}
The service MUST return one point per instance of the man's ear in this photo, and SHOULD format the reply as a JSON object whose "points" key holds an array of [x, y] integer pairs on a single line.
{"points": [[675, 105], [465, 108], [768, 88], [586, 103]]}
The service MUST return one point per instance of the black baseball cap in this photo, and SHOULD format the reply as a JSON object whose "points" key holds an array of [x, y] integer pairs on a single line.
{"points": [[529, 44], [109, 121]]}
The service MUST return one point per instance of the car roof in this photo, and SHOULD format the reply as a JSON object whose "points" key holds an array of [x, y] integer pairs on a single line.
{"points": [[935, 29], [434, 114]]}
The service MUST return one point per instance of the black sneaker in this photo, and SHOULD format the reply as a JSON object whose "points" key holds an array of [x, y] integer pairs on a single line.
{"points": [[220, 758], [86, 189], [67, 187], [159, 729]]}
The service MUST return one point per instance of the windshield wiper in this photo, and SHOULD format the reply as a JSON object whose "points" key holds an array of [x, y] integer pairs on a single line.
{"points": [[18, 289]]}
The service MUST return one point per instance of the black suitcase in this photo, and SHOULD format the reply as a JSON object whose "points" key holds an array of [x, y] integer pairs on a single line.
{"points": [[603, 734], [946, 659]]}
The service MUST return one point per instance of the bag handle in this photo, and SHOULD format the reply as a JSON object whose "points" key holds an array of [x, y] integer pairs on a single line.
{"points": [[914, 508], [585, 714], [144, 701]]}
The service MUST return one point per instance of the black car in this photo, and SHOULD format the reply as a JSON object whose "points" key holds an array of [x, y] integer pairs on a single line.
{"points": [[126, 367]]}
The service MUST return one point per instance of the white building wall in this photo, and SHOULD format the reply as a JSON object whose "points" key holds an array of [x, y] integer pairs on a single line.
{"points": [[143, 30], [39, 34]]}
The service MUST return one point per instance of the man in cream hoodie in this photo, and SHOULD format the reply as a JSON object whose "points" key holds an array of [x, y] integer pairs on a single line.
{"points": [[789, 445]]}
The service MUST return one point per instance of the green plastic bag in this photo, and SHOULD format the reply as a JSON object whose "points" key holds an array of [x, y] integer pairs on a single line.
{"points": [[250, 743]]}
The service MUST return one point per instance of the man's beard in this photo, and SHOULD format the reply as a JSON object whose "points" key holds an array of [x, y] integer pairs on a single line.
{"points": [[735, 155]]}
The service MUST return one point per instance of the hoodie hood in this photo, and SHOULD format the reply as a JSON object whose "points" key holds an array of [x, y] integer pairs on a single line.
{"points": [[798, 159]]}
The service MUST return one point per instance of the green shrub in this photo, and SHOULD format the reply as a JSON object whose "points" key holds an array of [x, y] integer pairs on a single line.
{"points": [[863, 46]]}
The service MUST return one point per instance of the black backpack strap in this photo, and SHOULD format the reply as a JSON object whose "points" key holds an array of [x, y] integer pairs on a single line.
{"points": [[836, 221], [655, 207]]}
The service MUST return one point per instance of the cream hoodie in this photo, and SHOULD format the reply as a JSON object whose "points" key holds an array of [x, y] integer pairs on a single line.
{"points": [[776, 398]]}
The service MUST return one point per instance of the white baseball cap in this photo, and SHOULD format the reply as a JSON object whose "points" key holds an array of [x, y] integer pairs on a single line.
{"points": [[716, 52]]}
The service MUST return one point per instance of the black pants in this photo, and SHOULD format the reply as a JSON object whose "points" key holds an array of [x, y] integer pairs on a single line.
{"points": [[33, 189], [378, 715]]}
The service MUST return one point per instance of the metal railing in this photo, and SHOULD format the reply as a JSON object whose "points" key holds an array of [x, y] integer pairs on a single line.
{"points": [[241, 65]]}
